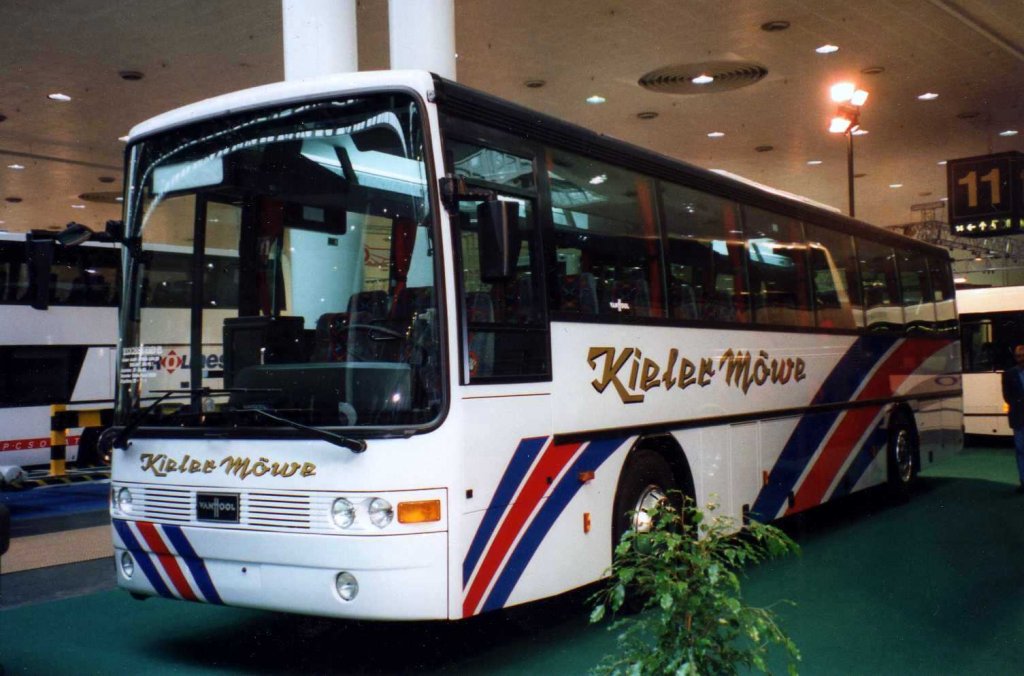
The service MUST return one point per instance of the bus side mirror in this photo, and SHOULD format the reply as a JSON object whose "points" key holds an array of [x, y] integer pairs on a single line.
{"points": [[498, 238], [40, 260]]}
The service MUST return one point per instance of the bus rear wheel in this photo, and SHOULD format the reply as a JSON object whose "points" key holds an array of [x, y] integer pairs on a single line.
{"points": [[902, 457]]}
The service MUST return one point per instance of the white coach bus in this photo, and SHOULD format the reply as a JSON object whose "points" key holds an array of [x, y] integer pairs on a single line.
{"points": [[991, 325], [467, 339]]}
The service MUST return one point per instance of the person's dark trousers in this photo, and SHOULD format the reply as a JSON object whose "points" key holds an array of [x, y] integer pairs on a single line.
{"points": [[1018, 442]]}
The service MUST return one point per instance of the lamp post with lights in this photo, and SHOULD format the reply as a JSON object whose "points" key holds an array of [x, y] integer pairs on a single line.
{"points": [[847, 121]]}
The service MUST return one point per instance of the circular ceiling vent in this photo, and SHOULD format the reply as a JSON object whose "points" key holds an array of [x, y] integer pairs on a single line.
{"points": [[724, 76]]}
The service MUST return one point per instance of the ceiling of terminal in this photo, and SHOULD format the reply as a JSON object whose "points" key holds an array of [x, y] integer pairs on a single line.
{"points": [[969, 52]]}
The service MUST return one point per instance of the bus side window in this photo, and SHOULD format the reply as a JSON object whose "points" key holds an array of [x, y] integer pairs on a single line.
{"points": [[943, 290], [835, 283], [915, 286], [777, 269], [882, 307], [607, 241], [704, 255]]}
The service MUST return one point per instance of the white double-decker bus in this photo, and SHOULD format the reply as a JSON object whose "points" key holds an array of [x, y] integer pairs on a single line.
{"points": [[465, 340], [63, 353], [991, 324]]}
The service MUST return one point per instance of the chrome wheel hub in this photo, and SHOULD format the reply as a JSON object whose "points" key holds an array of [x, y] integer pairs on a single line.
{"points": [[903, 457], [649, 497]]}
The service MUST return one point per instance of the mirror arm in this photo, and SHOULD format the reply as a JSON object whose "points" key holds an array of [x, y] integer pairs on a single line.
{"points": [[454, 189]]}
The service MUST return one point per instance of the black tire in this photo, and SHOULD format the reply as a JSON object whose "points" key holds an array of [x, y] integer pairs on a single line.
{"points": [[645, 477], [902, 460]]}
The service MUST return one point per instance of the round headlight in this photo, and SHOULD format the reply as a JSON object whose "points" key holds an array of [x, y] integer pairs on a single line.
{"points": [[347, 586], [123, 500], [343, 512], [381, 512], [127, 564]]}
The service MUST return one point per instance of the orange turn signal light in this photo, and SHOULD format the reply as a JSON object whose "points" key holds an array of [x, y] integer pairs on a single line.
{"points": [[419, 512]]}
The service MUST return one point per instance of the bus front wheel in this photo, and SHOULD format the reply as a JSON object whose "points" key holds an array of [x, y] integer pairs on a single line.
{"points": [[646, 480]]}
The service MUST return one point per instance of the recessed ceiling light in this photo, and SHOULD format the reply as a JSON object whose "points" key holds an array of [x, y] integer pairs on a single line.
{"points": [[123, 139], [1009, 132], [106, 179], [928, 96], [860, 132], [647, 115], [703, 78], [535, 84], [775, 26], [895, 185], [119, 199], [764, 149], [131, 75], [596, 98], [12, 200], [16, 167], [827, 49], [77, 206], [942, 163], [598, 180], [716, 134], [59, 97], [814, 163], [873, 70]]}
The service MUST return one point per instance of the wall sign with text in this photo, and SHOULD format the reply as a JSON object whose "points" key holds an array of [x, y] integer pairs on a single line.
{"points": [[985, 195]]}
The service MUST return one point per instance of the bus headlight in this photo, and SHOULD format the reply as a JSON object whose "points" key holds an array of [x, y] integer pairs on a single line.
{"points": [[381, 512], [123, 501], [127, 565], [347, 586], [343, 512]]}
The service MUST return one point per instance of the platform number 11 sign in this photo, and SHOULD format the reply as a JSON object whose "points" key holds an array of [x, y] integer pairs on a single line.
{"points": [[985, 195]]}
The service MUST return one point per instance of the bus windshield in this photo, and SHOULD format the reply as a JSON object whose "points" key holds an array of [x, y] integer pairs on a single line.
{"points": [[282, 261]]}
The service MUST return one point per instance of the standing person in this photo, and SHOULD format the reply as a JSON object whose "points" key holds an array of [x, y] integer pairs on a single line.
{"points": [[1013, 395]]}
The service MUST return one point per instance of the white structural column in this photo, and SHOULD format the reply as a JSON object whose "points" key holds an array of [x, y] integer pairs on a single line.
{"points": [[319, 37], [422, 35]]}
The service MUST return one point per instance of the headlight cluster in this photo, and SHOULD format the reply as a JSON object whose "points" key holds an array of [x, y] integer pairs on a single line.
{"points": [[345, 514], [123, 500]]}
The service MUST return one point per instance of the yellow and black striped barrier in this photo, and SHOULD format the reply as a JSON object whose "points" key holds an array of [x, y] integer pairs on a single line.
{"points": [[61, 421]]}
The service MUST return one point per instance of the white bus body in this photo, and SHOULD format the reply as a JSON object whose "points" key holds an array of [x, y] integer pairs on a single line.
{"points": [[992, 323], [510, 489]]}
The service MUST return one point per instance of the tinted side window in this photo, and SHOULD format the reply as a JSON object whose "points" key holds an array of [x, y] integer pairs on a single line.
{"points": [[944, 292], [835, 283], [777, 269], [32, 375], [704, 257], [916, 287], [882, 307], [606, 239]]}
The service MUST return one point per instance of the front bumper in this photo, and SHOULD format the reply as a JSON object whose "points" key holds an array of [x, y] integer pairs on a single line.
{"points": [[401, 577]]}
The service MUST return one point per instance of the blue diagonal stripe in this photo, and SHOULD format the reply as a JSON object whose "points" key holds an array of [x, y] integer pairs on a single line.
{"points": [[809, 433], [875, 440], [521, 462], [194, 563], [141, 557], [589, 460]]}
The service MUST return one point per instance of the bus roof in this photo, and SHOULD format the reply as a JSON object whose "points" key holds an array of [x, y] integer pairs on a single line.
{"points": [[282, 93]]}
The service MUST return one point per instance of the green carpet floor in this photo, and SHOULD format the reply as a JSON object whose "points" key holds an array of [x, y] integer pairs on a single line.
{"points": [[928, 586]]}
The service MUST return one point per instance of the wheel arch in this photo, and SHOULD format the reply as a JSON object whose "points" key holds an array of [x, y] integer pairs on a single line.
{"points": [[669, 449]]}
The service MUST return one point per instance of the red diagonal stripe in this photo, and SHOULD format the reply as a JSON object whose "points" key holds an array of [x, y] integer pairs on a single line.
{"points": [[167, 560], [900, 365], [551, 463]]}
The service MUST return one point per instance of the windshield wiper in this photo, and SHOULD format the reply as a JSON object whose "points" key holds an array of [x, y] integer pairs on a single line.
{"points": [[114, 437], [354, 445]]}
